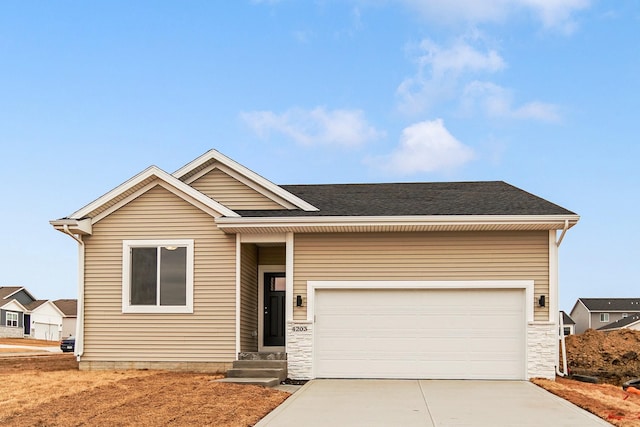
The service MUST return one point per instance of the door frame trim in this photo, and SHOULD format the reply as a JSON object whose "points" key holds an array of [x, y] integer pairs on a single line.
{"points": [[262, 269]]}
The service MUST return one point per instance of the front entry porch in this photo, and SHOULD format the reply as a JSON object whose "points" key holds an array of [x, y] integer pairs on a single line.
{"points": [[265, 296], [261, 368]]}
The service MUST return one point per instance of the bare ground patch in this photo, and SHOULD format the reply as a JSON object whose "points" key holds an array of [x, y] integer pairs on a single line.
{"points": [[51, 391]]}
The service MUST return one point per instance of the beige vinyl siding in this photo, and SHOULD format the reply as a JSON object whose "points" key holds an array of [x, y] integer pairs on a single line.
{"points": [[423, 256], [206, 335], [249, 298], [272, 255], [231, 192]]}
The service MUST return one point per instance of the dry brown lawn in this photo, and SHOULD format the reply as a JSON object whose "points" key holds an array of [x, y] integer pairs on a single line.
{"points": [[50, 391], [607, 401]]}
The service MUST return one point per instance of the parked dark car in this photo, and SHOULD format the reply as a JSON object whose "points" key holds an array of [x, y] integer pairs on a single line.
{"points": [[68, 344]]}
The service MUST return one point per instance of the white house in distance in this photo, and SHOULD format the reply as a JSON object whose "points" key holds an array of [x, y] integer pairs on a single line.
{"points": [[24, 316]]}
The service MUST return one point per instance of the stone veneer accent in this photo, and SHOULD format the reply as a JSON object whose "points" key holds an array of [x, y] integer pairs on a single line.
{"points": [[542, 350], [300, 349], [11, 332]]}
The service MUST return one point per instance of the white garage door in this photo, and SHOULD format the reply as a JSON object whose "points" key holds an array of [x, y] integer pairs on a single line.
{"points": [[46, 331], [420, 333]]}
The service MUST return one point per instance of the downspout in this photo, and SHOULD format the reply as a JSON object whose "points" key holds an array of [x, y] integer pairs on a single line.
{"points": [[563, 345], [79, 346]]}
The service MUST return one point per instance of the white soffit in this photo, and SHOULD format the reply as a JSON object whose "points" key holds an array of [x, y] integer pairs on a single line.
{"points": [[400, 223], [204, 161]]}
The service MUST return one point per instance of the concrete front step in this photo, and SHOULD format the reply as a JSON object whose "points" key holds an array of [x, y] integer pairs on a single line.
{"points": [[266, 382], [281, 374], [269, 364]]}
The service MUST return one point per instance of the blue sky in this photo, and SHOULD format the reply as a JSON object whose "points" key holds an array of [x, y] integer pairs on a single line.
{"points": [[542, 94]]}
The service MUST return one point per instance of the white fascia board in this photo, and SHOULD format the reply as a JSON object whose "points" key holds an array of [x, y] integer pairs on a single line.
{"points": [[398, 220], [232, 164], [154, 171], [15, 302]]}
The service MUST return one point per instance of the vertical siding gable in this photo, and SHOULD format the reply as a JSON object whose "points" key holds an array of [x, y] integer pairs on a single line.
{"points": [[232, 193], [22, 297], [207, 335]]}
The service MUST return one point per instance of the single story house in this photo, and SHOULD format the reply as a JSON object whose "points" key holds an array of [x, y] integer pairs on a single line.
{"points": [[632, 321], [593, 313], [188, 270], [24, 316]]}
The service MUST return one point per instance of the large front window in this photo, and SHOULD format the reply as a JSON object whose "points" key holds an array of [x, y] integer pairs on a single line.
{"points": [[157, 276], [12, 319]]}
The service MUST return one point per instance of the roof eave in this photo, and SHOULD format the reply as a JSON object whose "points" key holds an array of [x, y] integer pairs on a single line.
{"points": [[75, 226], [397, 223]]}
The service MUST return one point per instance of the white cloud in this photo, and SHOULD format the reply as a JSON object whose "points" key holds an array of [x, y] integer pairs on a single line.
{"points": [[556, 14], [314, 127], [426, 147], [449, 74], [439, 71], [495, 101]]}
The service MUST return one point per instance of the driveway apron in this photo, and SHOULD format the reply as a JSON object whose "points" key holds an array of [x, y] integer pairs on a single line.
{"points": [[426, 403]]}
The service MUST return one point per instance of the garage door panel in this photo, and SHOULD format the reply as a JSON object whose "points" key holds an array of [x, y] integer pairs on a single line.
{"points": [[420, 333]]}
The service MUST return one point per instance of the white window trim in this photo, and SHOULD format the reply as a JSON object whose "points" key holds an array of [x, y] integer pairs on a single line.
{"points": [[6, 321], [604, 317], [126, 279]]}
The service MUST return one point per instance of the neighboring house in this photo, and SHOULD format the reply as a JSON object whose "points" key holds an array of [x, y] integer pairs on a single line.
{"points": [[69, 309], [414, 280], [15, 314], [46, 322], [632, 321], [568, 324], [593, 313], [21, 315]]}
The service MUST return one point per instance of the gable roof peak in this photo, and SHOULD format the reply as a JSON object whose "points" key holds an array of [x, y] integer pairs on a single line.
{"points": [[214, 156], [138, 182]]}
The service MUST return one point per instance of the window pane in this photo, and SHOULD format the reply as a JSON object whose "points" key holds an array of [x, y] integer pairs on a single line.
{"points": [[278, 284], [144, 272], [173, 276]]}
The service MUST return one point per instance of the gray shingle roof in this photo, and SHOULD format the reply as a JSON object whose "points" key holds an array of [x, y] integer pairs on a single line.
{"points": [[426, 198], [68, 306], [5, 291], [35, 304], [631, 318], [566, 319], [612, 304]]}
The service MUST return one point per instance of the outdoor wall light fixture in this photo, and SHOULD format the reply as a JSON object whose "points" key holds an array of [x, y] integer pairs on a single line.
{"points": [[541, 301], [299, 301]]}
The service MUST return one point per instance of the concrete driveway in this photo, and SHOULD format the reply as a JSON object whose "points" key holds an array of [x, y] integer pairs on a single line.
{"points": [[424, 403]]}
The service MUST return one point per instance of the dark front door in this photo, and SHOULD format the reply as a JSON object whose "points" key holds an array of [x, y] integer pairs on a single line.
{"points": [[27, 324], [274, 288]]}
